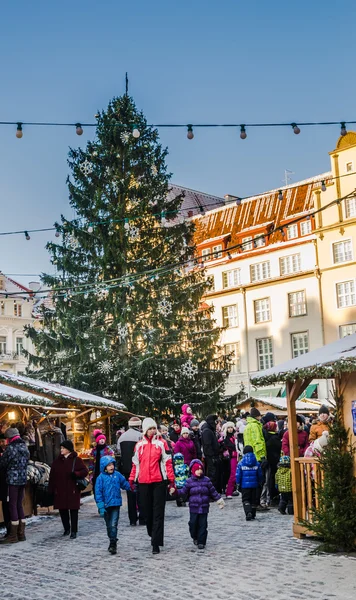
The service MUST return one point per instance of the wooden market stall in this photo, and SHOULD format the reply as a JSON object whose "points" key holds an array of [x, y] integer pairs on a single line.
{"points": [[336, 361], [277, 406], [25, 400]]}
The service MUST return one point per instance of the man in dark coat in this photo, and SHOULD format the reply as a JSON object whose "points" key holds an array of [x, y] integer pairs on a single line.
{"points": [[195, 435], [211, 450], [126, 449], [65, 471]]}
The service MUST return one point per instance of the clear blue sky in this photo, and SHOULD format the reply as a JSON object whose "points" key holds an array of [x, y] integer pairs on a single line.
{"points": [[188, 61]]}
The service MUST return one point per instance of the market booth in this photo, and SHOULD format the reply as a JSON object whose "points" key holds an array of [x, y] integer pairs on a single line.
{"points": [[48, 413], [278, 406], [336, 361]]}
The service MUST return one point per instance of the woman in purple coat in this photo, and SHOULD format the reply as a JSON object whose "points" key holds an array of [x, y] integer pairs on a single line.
{"points": [[199, 491], [186, 446]]}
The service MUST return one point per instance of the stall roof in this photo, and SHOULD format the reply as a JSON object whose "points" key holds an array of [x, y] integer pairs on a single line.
{"points": [[324, 363], [54, 392], [16, 396], [281, 404]]}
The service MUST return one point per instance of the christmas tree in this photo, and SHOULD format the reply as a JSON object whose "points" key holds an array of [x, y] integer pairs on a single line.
{"points": [[127, 320]]}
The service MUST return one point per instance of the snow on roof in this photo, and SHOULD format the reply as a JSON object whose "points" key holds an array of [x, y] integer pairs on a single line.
{"points": [[10, 286], [324, 362], [56, 391], [20, 396], [281, 403]]}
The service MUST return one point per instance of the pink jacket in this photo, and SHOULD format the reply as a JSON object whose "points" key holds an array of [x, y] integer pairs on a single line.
{"points": [[186, 447], [186, 418]]}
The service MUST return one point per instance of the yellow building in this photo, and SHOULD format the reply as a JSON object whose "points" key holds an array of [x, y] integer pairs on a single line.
{"points": [[283, 275]]}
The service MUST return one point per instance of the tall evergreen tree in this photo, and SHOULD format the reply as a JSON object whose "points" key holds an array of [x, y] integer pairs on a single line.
{"points": [[127, 320]]}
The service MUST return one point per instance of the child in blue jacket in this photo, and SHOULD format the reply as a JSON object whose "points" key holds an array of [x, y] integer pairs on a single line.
{"points": [[108, 498], [249, 477]]}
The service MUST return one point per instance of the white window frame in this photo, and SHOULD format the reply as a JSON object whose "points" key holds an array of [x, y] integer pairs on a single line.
{"points": [[231, 278], [2, 308], [259, 240], [17, 309], [307, 225], [260, 271], [350, 293], [297, 304], [217, 252], [264, 358], [292, 264], [3, 344], [351, 332], [235, 364], [19, 344], [347, 170], [205, 254], [350, 208], [247, 243], [292, 228], [301, 347], [342, 255], [230, 320], [262, 310]]}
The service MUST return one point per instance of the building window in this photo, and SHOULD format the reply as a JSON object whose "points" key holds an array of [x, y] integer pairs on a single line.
{"points": [[217, 251], [19, 346], [305, 227], [346, 294], [233, 350], [205, 254], [264, 353], [300, 343], [231, 278], [2, 308], [259, 241], [349, 167], [292, 231], [230, 317], [260, 271], [1, 283], [247, 243], [17, 309], [2, 344], [297, 304], [350, 207], [262, 310], [289, 264], [342, 251], [348, 329]]}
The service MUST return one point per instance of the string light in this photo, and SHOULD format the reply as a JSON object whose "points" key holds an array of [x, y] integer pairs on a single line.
{"points": [[136, 133], [202, 210], [127, 224], [280, 195], [323, 186], [229, 256], [190, 133], [243, 134], [78, 129], [296, 129], [19, 132], [238, 201], [57, 234], [343, 130], [27, 236], [90, 229]]}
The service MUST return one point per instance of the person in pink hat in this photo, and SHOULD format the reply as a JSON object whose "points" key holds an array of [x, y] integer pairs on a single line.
{"points": [[187, 416], [100, 450]]}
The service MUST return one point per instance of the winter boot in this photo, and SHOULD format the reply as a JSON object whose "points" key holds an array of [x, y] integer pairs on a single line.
{"points": [[21, 532], [12, 537], [249, 516], [113, 548], [8, 528]]}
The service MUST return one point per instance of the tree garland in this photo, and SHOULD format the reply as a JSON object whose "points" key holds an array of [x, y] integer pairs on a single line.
{"points": [[23, 400], [318, 371]]}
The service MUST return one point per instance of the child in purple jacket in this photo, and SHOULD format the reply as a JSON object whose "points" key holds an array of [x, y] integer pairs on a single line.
{"points": [[199, 490]]}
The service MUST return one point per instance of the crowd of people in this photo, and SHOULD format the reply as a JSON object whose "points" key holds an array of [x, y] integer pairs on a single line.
{"points": [[190, 461]]}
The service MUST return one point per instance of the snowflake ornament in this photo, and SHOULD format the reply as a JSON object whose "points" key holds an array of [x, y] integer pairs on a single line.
{"points": [[73, 242], [105, 367], [115, 187], [122, 332], [125, 137], [86, 167], [102, 293], [134, 233], [189, 369], [165, 307]]}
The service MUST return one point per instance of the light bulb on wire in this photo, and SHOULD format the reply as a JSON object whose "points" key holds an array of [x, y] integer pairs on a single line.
{"points": [[27, 236], [136, 133], [280, 195], [57, 234], [19, 132], [243, 134], [202, 210], [323, 186], [78, 129], [296, 129], [90, 229], [343, 130], [190, 133]]}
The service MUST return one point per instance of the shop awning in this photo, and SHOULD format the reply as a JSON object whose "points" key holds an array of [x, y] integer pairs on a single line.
{"points": [[271, 392], [308, 393]]}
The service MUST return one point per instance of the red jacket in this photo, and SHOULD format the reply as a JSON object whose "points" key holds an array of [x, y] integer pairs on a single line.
{"points": [[151, 461], [303, 443], [65, 489]]}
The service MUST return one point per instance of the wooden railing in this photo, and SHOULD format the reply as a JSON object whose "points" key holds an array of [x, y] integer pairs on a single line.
{"points": [[311, 479]]}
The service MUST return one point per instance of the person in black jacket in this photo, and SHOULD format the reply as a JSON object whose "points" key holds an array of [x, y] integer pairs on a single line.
{"points": [[211, 450], [273, 447], [195, 435], [174, 431], [126, 449]]}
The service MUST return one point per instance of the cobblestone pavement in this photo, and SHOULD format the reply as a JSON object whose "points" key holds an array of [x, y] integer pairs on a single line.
{"points": [[243, 560]]}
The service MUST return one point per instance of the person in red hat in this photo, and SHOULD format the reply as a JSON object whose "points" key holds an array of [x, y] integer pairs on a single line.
{"points": [[100, 450]]}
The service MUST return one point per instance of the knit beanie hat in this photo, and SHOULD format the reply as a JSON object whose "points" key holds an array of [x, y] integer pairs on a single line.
{"points": [[269, 417], [68, 444], [324, 410], [98, 434], [270, 426], [195, 465], [248, 449], [194, 423], [11, 432], [185, 430], [147, 424], [300, 419], [135, 422], [254, 412]]}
